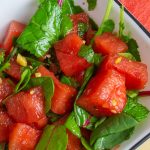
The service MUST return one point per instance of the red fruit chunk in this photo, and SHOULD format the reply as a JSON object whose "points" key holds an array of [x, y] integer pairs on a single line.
{"points": [[62, 101], [108, 43], [79, 18], [105, 94], [14, 30], [74, 142], [71, 44], [135, 73], [71, 65], [14, 70], [6, 88], [23, 137], [5, 124], [28, 107], [89, 35]]}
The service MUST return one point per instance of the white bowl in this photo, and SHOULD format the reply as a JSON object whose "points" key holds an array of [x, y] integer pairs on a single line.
{"points": [[22, 10]]}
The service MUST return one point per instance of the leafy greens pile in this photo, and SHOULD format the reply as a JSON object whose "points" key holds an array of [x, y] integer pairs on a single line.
{"points": [[50, 23]]}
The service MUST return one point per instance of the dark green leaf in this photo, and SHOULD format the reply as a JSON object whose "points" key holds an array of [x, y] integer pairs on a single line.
{"points": [[91, 4], [93, 24], [86, 144], [107, 26], [44, 140], [59, 139], [2, 57], [133, 49], [112, 140], [100, 121], [127, 55], [112, 127], [48, 87], [69, 81], [25, 77], [82, 29], [88, 53], [72, 125], [136, 110], [4, 66], [52, 117], [53, 138]]}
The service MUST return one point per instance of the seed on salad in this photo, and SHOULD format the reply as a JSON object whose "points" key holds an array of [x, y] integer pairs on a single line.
{"points": [[37, 74], [114, 102], [113, 111], [21, 60], [118, 60], [32, 92]]}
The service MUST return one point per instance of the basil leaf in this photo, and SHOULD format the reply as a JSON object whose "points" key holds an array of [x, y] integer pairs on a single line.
{"points": [[86, 144], [48, 87], [25, 77], [44, 140], [88, 53], [2, 57], [69, 81], [100, 121], [59, 139], [52, 117], [72, 125], [128, 56], [82, 29], [133, 49], [53, 138], [136, 110], [112, 127], [91, 4], [109, 141]]}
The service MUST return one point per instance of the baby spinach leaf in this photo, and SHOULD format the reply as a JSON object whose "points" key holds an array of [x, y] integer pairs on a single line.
{"points": [[88, 53], [72, 125], [113, 127], [2, 57], [133, 49], [136, 110], [48, 87], [82, 29], [91, 4], [45, 138], [25, 77], [69, 81], [53, 138], [109, 141], [86, 144], [59, 139]]}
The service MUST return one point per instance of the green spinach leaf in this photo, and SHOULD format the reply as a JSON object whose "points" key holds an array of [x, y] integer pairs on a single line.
{"points": [[69, 81], [72, 125], [91, 4], [53, 138], [25, 77], [86, 144], [113, 127], [48, 87], [88, 53], [133, 49], [136, 110]]}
